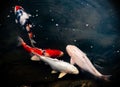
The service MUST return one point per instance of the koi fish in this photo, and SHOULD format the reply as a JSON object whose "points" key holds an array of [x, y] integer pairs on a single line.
{"points": [[58, 65], [78, 57], [23, 19], [54, 53]]}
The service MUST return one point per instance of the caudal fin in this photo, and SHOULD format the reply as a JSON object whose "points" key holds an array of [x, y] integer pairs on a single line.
{"points": [[20, 41], [106, 77]]}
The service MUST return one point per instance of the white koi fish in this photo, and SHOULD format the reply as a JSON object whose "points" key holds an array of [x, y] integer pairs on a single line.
{"points": [[78, 57], [57, 65]]}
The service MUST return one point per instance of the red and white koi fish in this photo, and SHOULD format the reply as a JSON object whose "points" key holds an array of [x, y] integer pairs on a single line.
{"points": [[23, 19], [53, 53], [78, 57]]}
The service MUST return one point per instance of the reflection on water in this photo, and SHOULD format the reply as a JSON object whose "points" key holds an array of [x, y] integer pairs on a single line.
{"points": [[91, 25], [67, 83]]}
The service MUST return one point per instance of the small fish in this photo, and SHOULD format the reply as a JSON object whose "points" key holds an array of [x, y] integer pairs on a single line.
{"points": [[78, 57], [23, 19], [54, 53], [58, 65]]}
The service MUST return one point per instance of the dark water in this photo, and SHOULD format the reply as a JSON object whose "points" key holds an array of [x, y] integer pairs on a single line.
{"points": [[91, 25]]}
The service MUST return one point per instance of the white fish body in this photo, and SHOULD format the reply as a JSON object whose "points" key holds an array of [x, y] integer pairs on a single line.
{"points": [[58, 65], [23, 17], [78, 57]]}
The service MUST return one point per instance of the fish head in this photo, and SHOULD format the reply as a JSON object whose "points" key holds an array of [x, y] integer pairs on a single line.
{"points": [[74, 70], [74, 51], [16, 8], [70, 49]]}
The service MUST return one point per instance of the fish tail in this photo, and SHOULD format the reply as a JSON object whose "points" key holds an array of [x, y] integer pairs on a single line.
{"points": [[106, 77], [20, 41]]}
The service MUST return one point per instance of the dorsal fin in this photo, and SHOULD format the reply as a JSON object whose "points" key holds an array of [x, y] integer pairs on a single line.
{"points": [[72, 62]]}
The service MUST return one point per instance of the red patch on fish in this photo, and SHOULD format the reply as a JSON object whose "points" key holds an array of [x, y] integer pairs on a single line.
{"points": [[18, 7], [53, 53]]}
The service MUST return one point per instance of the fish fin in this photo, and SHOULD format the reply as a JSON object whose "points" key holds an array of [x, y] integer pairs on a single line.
{"points": [[33, 35], [29, 15], [98, 66], [19, 44], [72, 62], [32, 41], [53, 71], [35, 58], [61, 74], [106, 77], [16, 20], [20, 40]]}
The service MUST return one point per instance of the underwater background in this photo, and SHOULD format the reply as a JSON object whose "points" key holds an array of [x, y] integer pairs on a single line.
{"points": [[91, 25]]}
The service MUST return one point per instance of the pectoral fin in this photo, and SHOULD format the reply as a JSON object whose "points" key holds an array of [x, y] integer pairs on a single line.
{"points": [[61, 75], [53, 71], [72, 62], [29, 15], [16, 21], [35, 58]]}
